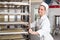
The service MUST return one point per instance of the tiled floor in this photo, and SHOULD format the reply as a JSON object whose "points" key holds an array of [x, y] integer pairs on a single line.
{"points": [[57, 37]]}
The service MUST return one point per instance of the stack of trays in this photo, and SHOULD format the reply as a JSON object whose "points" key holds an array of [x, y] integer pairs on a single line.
{"points": [[13, 30], [1, 18], [7, 37], [12, 36]]}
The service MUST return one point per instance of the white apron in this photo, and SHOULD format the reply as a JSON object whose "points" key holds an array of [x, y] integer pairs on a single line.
{"points": [[43, 28]]}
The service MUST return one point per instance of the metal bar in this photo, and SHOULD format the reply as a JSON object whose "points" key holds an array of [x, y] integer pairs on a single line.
{"points": [[9, 33]]}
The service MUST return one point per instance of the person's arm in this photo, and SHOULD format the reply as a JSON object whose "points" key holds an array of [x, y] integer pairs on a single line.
{"points": [[33, 32], [32, 25], [45, 28]]}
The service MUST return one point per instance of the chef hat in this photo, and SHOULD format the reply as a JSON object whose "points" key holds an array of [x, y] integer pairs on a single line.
{"points": [[46, 6]]}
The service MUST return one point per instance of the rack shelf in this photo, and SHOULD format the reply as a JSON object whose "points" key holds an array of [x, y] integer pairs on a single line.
{"points": [[14, 13], [14, 3], [9, 33], [13, 23]]}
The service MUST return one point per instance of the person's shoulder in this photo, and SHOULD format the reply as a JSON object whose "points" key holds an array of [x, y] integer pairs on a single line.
{"points": [[46, 19]]}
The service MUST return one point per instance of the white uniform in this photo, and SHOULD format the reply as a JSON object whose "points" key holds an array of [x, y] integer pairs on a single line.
{"points": [[43, 28]]}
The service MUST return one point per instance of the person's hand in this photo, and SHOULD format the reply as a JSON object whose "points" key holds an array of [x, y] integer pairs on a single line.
{"points": [[30, 31]]}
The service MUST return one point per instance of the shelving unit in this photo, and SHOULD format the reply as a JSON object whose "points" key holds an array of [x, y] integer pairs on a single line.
{"points": [[57, 25], [15, 15]]}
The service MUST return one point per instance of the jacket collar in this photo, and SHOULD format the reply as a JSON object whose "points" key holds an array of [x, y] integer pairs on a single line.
{"points": [[43, 17]]}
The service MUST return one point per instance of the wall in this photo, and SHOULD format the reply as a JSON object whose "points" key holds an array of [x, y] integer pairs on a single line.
{"points": [[52, 12], [34, 5], [36, 1]]}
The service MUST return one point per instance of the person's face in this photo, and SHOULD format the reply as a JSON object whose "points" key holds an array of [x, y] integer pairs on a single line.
{"points": [[41, 10]]}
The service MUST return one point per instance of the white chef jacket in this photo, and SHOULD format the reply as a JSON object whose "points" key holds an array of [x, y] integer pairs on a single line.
{"points": [[43, 27]]}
